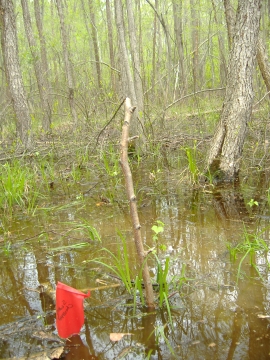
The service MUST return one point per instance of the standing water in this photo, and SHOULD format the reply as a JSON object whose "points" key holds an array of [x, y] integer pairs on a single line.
{"points": [[218, 297]]}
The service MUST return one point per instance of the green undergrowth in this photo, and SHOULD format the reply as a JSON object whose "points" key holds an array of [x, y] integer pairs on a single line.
{"points": [[27, 184], [19, 187]]}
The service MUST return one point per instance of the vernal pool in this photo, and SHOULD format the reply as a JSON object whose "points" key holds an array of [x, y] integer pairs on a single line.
{"points": [[219, 307]]}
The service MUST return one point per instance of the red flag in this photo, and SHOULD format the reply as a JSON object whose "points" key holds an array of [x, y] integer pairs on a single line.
{"points": [[69, 310]]}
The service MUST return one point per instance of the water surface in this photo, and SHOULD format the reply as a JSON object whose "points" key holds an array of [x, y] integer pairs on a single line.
{"points": [[215, 314]]}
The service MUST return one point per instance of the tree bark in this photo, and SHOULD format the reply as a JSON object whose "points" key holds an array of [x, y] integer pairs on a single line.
{"points": [[178, 33], [262, 57], [86, 21], [222, 59], [14, 75], [195, 22], [95, 42], [140, 43], [227, 146], [124, 59], [68, 70], [5, 86], [43, 53], [110, 42], [129, 110], [154, 65], [168, 43], [135, 59], [43, 91]]}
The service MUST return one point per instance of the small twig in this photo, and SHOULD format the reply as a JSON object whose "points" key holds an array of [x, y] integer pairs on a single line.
{"points": [[192, 94], [101, 287], [108, 123], [133, 138], [29, 289], [99, 62], [257, 103]]}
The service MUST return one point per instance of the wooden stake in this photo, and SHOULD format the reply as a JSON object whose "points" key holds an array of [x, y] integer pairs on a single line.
{"points": [[133, 204]]}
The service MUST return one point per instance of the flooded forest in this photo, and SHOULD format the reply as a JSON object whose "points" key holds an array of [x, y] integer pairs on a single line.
{"points": [[134, 172]]}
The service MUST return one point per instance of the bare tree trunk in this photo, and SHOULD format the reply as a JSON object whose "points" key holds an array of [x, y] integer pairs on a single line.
{"points": [[68, 70], [95, 42], [46, 121], [129, 110], [56, 61], [140, 42], [154, 67], [110, 41], [43, 54], [124, 59], [168, 43], [5, 86], [222, 59], [178, 33], [135, 59], [86, 21], [195, 44], [14, 76], [226, 150]]}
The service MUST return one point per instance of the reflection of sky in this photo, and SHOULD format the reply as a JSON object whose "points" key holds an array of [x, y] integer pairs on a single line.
{"points": [[51, 271], [30, 282]]}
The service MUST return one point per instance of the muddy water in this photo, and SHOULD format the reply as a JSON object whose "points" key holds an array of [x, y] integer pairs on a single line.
{"points": [[214, 316]]}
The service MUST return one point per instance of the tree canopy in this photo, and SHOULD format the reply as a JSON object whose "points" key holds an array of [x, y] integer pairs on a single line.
{"points": [[77, 59]]}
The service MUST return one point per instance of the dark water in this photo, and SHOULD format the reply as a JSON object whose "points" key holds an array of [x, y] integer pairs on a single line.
{"points": [[213, 315]]}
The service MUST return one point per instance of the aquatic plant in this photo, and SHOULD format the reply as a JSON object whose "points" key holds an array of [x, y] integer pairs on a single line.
{"points": [[7, 247], [42, 317], [70, 247], [157, 229], [119, 263], [75, 173], [253, 202], [251, 245], [163, 284], [182, 279], [90, 231], [138, 287], [160, 336], [192, 163]]}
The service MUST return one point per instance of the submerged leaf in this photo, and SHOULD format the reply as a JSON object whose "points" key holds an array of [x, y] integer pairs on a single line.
{"points": [[261, 316], [117, 336]]}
